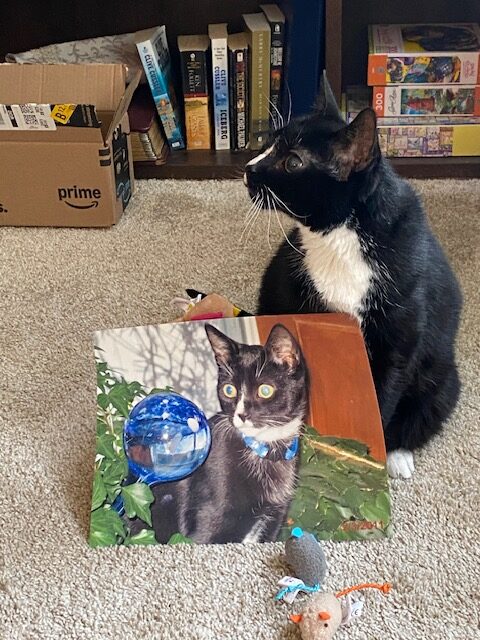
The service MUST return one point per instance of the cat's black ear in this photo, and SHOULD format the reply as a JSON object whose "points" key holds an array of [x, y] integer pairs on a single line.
{"points": [[325, 104], [223, 347], [357, 145], [282, 348]]}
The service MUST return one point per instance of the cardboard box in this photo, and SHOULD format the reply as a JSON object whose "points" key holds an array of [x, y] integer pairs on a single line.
{"points": [[71, 176]]}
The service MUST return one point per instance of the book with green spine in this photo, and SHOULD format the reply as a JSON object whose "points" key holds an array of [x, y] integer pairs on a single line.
{"points": [[260, 40]]}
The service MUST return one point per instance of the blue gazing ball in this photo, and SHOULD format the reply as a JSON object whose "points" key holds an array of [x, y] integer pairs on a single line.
{"points": [[166, 437]]}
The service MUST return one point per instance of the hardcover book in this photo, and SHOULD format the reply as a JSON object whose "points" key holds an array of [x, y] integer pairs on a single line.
{"points": [[238, 53], [153, 51], [424, 54], [146, 135], [193, 55], [236, 430], [276, 20], [414, 100], [221, 111], [259, 39]]}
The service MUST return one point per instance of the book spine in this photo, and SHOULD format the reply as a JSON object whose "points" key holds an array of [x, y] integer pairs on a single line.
{"points": [[241, 98], [232, 98], [259, 89], [423, 68], [159, 86], [430, 141], [276, 70], [196, 99], [451, 100], [197, 123], [194, 73], [220, 93]]}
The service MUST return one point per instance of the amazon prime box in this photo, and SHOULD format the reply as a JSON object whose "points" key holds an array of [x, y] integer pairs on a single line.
{"points": [[65, 156]]}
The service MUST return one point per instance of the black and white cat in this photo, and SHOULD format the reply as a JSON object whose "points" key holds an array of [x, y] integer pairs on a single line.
{"points": [[362, 245], [243, 490]]}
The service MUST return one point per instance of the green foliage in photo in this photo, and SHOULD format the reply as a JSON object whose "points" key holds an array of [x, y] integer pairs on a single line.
{"points": [[115, 398], [342, 492]]}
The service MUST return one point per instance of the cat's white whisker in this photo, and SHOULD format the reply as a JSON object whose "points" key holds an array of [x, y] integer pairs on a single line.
{"points": [[251, 222], [225, 366], [274, 120], [281, 226], [289, 103], [284, 206], [277, 123], [279, 118], [269, 225], [271, 205], [259, 373], [286, 237], [252, 205], [250, 215]]}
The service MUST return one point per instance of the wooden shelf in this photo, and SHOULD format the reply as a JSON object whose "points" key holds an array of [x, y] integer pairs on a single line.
{"points": [[197, 165], [461, 167], [216, 165]]}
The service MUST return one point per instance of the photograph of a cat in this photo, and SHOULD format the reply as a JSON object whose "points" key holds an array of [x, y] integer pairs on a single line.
{"points": [[243, 490], [362, 245]]}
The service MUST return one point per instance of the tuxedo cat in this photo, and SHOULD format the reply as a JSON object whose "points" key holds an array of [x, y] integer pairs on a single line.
{"points": [[243, 490], [362, 245]]}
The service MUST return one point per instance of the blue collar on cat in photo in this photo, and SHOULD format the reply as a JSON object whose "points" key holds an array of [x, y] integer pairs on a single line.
{"points": [[262, 449]]}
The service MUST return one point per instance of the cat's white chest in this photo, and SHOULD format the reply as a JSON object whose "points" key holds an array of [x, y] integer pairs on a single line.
{"points": [[337, 267]]}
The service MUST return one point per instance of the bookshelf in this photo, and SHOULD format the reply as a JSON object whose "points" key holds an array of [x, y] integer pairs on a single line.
{"points": [[197, 165], [345, 53]]}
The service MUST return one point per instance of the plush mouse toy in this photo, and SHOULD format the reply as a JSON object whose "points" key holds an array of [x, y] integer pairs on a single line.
{"points": [[305, 556], [321, 617], [324, 613]]}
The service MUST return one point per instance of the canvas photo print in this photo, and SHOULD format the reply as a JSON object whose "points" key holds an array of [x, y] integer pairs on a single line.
{"points": [[236, 430]]}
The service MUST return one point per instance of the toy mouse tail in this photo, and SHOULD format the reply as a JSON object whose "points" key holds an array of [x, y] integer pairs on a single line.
{"points": [[385, 588]]}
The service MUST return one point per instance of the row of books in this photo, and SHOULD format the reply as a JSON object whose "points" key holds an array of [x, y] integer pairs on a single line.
{"points": [[424, 85], [232, 83]]}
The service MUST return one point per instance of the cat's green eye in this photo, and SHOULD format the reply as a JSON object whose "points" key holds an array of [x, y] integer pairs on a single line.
{"points": [[229, 390], [293, 163], [265, 391]]}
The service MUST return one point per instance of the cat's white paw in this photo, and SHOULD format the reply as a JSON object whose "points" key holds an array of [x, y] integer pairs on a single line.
{"points": [[400, 463]]}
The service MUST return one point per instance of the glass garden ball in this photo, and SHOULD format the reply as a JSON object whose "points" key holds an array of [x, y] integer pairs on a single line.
{"points": [[166, 437]]}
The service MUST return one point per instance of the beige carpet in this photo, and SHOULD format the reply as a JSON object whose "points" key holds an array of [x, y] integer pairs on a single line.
{"points": [[56, 288]]}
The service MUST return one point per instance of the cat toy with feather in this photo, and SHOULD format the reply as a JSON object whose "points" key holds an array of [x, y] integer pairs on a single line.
{"points": [[324, 612]]}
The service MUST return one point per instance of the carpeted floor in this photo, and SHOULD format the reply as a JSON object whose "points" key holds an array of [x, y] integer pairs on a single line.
{"points": [[57, 287]]}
